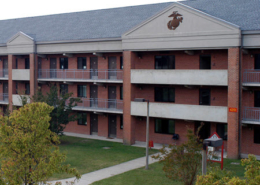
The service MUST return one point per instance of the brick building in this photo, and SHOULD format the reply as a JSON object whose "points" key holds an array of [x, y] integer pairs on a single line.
{"points": [[195, 61]]}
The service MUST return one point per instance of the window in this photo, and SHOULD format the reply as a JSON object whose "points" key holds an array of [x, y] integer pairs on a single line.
{"points": [[205, 62], [257, 134], [257, 61], [16, 88], [204, 132], [164, 94], [165, 62], [16, 63], [27, 63], [204, 97], [82, 63], [82, 119], [121, 92], [164, 126], [121, 63], [82, 91], [63, 89], [63, 63], [222, 131], [27, 88], [121, 122]]}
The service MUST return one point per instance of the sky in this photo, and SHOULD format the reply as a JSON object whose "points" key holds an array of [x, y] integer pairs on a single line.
{"points": [[11, 9]]}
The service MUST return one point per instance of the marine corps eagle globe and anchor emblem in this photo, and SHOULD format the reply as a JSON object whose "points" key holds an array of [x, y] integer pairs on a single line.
{"points": [[175, 22]]}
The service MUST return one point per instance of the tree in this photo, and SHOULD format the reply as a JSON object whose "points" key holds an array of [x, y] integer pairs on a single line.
{"points": [[62, 113], [218, 177], [28, 149], [182, 162]]}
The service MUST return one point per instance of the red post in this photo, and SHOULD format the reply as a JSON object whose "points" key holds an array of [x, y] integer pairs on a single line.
{"points": [[222, 153]]}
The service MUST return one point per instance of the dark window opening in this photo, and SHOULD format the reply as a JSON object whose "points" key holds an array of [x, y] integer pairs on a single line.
{"points": [[165, 62], [27, 63], [257, 99], [16, 63], [63, 63], [204, 97], [121, 122], [121, 63], [204, 132], [27, 88], [121, 92], [82, 119], [205, 62], [164, 126], [222, 131], [16, 88], [82, 91], [82, 63], [164, 94], [257, 61], [257, 134], [63, 89]]}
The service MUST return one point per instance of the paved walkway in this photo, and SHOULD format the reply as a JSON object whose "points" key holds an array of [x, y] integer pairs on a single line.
{"points": [[104, 173]]}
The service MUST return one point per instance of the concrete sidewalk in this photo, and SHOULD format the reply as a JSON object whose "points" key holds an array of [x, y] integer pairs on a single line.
{"points": [[104, 173]]}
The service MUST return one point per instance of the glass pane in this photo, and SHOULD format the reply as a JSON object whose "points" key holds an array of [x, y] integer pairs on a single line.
{"points": [[171, 94], [158, 125], [171, 127], [84, 89], [171, 62], [165, 94]]}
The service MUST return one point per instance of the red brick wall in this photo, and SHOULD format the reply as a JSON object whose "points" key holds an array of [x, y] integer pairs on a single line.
{"points": [[248, 146]]}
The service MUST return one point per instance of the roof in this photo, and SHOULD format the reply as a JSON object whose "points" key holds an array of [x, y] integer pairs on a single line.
{"points": [[97, 24], [112, 23], [244, 13]]}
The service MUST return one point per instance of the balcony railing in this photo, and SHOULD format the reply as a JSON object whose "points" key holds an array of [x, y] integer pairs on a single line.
{"points": [[81, 74], [4, 98], [251, 76], [251, 114], [99, 104], [4, 73]]}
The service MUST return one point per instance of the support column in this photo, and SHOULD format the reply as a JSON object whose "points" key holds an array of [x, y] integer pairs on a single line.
{"points": [[11, 63], [33, 74], [129, 125], [233, 102]]}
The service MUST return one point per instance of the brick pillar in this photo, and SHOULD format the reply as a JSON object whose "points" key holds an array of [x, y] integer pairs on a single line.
{"points": [[233, 101], [129, 125], [33, 74], [11, 63]]}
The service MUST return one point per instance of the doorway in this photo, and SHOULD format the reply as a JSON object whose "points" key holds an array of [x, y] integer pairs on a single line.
{"points": [[93, 95], [112, 126], [111, 96], [53, 68], [5, 67], [94, 67], [93, 124], [112, 68]]}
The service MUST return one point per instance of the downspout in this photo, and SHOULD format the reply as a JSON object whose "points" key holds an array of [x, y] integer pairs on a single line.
{"points": [[240, 95]]}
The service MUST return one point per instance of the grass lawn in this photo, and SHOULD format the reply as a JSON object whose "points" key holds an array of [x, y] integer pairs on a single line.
{"points": [[155, 175], [89, 155]]}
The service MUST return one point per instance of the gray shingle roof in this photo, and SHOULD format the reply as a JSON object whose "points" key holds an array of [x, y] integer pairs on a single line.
{"points": [[112, 23], [97, 24], [244, 13]]}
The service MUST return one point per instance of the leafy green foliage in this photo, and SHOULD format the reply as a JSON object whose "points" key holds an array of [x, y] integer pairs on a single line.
{"points": [[182, 162], [62, 113], [28, 149], [218, 177]]}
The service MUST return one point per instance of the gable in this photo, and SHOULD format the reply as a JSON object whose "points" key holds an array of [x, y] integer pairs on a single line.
{"points": [[191, 25], [20, 43]]}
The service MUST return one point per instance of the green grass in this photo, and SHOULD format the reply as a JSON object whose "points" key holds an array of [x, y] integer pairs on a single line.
{"points": [[156, 176], [88, 155]]}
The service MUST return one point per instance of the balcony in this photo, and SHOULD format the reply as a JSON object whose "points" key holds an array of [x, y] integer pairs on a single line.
{"points": [[100, 105], [251, 77], [251, 115], [181, 111], [3, 74], [4, 98], [180, 77], [17, 101], [81, 75], [21, 74]]}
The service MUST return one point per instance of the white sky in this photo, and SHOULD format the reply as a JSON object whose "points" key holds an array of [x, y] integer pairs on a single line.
{"points": [[27, 8]]}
